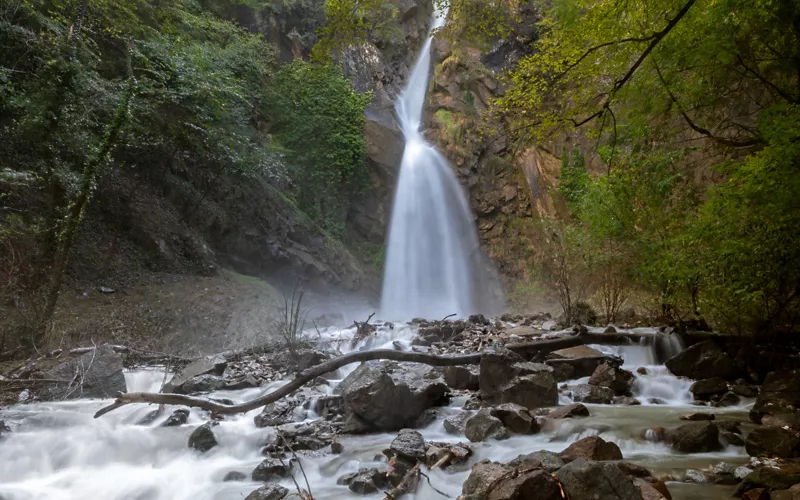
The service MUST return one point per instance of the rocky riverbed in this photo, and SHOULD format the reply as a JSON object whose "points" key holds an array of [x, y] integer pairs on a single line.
{"points": [[648, 419]]}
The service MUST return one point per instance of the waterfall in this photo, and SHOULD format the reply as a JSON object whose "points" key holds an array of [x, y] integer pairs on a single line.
{"points": [[433, 258]]}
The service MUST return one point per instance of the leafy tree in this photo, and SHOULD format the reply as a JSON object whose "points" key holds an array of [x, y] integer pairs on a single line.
{"points": [[319, 119]]}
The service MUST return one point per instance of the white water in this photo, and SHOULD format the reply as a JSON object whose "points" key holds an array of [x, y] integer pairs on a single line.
{"points": [[59, 452], [433, 257]]}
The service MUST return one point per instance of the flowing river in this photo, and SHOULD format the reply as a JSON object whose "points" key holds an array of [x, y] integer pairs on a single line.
{"points": [[58, 451]]}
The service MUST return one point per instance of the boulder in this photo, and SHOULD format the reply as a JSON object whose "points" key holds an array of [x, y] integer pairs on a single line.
{"points": [[632, 469], [482, 476], [408, 444], [703, 360], [213, 365], [779, 398], [483, 426], [573, 410], [203, 383], [727, 399], [573, 368], [278, 413], [695, 476], [546, 460], [505, 378], [745, 391], [234, 475], [722, 473], [741, 472], [312, 435], [457, 424], [596, 481], [648, 491], [697, 417], [268, 492], [101, 373], [365, 481], [625, 401], [202, 439], [271, 469], [527, 485], [616, 379], [694, 437], [384, 396], [178, 417], [580, 351], [704, 389], [731, 438], [515, 418], [772, 442], [768, 478], [462, 378], [592, 448], [592, 394], [756, 494]]}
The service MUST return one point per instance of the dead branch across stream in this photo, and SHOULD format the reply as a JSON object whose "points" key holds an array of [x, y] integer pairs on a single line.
{"points": [[526, 349]]}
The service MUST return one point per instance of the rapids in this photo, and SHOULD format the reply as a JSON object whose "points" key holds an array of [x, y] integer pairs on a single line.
{"points": [[58, 451]]}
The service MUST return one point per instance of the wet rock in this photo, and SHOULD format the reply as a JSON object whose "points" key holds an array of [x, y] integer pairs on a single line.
{"points": [[178, 417], [337, 447], [625, 401], [573, 410], [731, 438], [456, 424], [365, 481], [574, 368], [271, 469], [655, 434], [214, 365], [695, 476], [313, 435], [592, 448], [240, 383], [147, 419], [389, 396], [596, 481], [779, 398], [742, 472], [745, 391], [756, 494], [580, 351], [703, 390], [772, 442], [203, 383], [632, 469], [547, 460], [697, 417], [101, 372], [729, 425], [641, 370], [694, 437], [648, 491], [311, 358], [783, 495], [528, 485], [462, 378], [408, 444], [656, 401], [515, 418], [505, 378], [767, 478], [592, 394], [202, 439], [268, 492], [728, 399], [474, 403], [482, 476], [722, 473], [483, 426], [703, 361], [234, 475], [616, 379]]}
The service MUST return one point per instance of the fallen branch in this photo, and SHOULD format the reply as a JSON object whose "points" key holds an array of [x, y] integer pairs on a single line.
{"points": [[407, 486], [526, 349]]}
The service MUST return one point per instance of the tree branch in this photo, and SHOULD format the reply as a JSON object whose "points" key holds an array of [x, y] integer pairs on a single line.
{"points": [[526, 349], [698, 128], [766, 82]]}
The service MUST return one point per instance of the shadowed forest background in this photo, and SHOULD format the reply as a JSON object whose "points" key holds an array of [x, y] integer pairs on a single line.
{"points": [[169, 168]]}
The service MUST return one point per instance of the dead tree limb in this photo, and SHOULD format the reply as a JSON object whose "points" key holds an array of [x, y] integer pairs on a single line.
{"points": [[526, 349]]}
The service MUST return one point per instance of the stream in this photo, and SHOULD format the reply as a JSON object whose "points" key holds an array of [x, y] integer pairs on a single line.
{"points": [[58, 451]]}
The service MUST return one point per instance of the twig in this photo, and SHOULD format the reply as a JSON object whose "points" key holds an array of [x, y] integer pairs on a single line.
{"points": [[428, 479], [448, 316]]}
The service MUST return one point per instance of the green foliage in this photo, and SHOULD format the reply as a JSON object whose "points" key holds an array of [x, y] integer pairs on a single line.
{"points": [[352, 23], [319, 119], [574, 177]]}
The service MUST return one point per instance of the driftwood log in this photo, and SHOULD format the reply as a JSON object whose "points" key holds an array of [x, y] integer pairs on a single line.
{"points": [[529, 350]]}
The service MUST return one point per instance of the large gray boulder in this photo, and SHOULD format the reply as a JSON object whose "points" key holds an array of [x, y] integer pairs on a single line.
{"points": [[592, 448], [584, 480], [483, 426], [705, 389], [527, 485], [268, 492], [779, 399], [408, 444], [704, 360], [586, 393], [95, 374], [767, 478], [772, 442], [483, 475], [615, 378], [202, 439], [506, 378], [516, 418], [546, 460], [389, 396], [207, 365], [462, 377], [695, 437]]}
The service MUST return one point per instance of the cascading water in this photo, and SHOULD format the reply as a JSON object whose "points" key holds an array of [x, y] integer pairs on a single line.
{"points": [[433, 259]]}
